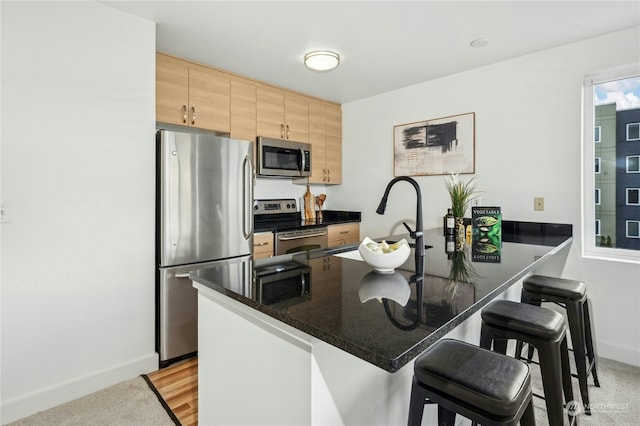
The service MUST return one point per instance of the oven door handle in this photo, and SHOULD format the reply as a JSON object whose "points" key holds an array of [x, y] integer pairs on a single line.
{"points": [[299, 237]]}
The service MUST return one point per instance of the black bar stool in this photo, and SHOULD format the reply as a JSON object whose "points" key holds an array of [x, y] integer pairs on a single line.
{"points": [[484, 386], [541, 328], [571, 295]]}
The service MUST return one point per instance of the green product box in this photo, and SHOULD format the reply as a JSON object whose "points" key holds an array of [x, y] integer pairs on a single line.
{"points": [[486, 223]]}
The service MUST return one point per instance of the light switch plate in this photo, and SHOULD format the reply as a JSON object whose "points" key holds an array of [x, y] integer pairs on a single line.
{"points": [[538, 204], [5, 213]]}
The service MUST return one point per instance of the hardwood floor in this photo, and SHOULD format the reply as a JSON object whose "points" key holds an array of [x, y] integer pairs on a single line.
{"points": [[178, 385]]}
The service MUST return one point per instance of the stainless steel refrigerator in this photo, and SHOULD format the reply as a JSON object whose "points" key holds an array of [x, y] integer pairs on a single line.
{"points": [[204, 218]]}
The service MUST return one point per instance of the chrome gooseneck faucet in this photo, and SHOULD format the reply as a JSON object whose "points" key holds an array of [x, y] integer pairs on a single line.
{"points": [[417, 234]]}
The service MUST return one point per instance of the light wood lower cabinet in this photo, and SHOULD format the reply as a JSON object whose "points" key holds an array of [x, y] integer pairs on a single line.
{"points": [[343, 234], [262, 245]]}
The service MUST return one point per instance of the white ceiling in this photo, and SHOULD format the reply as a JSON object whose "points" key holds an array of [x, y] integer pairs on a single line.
{"points": [[384, 45]]}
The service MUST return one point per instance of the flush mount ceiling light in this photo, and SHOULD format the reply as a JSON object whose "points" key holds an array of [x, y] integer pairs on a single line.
{"points": [[321, 60]]}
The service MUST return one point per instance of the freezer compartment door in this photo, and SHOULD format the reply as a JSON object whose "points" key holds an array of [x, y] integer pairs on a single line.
{"points": [[205, 197], [178, 300], [177, 313]]}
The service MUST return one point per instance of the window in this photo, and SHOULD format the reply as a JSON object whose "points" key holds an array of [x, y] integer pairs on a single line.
{"points": [[611, 166], [633, 132]]}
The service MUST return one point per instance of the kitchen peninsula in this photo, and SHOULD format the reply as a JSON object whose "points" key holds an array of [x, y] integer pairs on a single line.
{"points": [[340, 351]]}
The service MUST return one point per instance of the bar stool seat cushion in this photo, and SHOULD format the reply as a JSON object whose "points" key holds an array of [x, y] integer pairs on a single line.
{"points": [[558, 287], [523, 318], [489, 381]]}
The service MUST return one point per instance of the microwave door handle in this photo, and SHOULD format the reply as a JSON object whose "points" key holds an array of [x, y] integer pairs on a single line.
{"points": [[304, 284], [302, 163]]}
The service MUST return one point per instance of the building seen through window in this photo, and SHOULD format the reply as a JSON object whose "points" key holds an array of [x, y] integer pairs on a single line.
{"points": [[616, 149]]}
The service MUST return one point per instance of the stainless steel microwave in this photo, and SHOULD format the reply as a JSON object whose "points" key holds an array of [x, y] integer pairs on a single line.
{"points": [[283, 158]]}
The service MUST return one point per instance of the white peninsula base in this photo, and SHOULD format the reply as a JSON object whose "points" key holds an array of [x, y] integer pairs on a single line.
{"points": [[255, 370]]}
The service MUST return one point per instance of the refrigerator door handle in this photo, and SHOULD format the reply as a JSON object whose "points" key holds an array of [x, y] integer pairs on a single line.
{"points": [[247, 189], [184, 275]]}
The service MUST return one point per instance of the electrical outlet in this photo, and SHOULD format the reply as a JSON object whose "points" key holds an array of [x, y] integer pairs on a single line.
{"points": [[477, 201], [538, 204]]}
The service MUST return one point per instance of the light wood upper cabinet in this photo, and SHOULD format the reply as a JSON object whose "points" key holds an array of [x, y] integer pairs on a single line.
{"points": [[282, 115], [325, 136], [172, 90], [191, 95], [243, 109], [334, 144]]}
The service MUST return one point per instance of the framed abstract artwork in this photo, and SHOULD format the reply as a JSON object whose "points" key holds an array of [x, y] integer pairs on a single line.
{"points": [[435, 147]]}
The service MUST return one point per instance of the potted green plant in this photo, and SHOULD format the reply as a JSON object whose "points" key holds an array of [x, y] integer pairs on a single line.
{"points": [[461, 193]]}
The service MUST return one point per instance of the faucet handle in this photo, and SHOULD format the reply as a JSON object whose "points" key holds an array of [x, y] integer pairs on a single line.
{"points": [[412, 233]]}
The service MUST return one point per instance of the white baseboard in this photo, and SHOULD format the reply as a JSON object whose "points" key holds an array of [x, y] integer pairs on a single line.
{"points": [[617, 352], [60, 393]]}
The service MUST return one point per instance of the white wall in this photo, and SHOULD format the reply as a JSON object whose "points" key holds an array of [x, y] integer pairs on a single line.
{"points": [[78, 121], [528, 144]]}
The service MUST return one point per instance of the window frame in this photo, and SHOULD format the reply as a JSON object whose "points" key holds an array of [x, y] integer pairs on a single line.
{"points": [[589, 247], [627, 190], [626, 228], [597, 132], [598, 165], [627, 132], [597, 196], [627, 163]]}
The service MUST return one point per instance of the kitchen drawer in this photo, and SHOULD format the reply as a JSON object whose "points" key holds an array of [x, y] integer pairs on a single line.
{"points": [[342, 234], [262, 245]]}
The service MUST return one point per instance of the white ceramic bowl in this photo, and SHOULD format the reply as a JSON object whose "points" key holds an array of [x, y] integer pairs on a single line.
{"points": [[384, 262]]}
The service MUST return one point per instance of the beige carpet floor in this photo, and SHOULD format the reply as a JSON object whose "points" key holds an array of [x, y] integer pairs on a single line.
{"points": [[133, 403], [615, 403], [130, 403]]}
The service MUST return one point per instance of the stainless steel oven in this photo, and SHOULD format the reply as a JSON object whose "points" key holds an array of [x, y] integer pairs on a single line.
{"points": [[300, 240]]}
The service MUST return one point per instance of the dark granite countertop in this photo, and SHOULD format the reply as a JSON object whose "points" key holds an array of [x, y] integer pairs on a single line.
{"points": [[329, 217], [387, 333]]}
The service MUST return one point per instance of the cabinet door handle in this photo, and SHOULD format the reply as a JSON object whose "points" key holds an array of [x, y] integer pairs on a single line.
{"points": [[344, 232], [328, 175], [324, 175], [261, 244], [184, 114], [282, 131], [193, 115], [287, 131]]}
